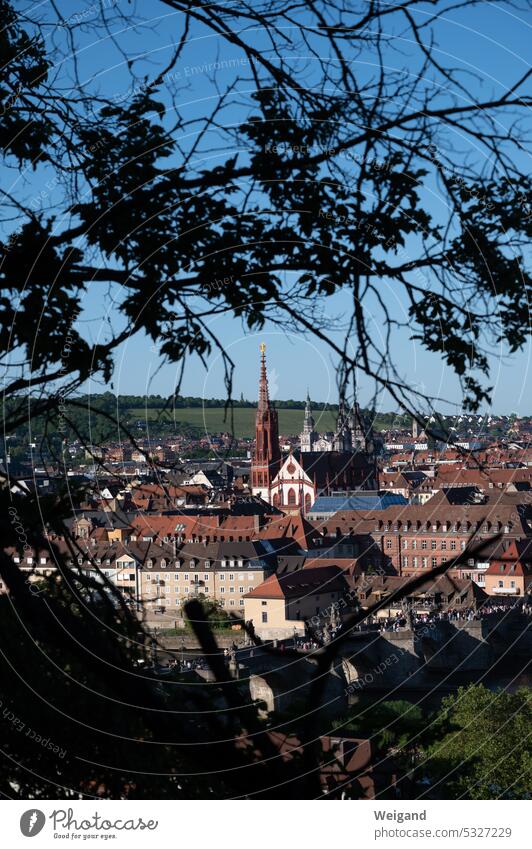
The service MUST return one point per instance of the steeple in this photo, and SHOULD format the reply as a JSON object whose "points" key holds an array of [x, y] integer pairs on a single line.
{"points": [[342, 438], [308, 435], [264, 397], [267, 456]]}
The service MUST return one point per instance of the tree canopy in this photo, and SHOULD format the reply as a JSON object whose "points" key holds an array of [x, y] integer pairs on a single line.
{"points": [[482, 746], [297, 180]]}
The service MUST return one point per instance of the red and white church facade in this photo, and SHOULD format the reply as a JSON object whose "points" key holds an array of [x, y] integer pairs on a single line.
{"points": [[293, 483]]}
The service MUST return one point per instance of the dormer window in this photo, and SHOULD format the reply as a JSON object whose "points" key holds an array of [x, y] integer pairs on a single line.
{"points": [[149, 564], [192, 564], [163, 564]]}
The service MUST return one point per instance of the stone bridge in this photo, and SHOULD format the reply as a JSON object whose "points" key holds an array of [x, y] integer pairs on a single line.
{"points": [[391, 660]]}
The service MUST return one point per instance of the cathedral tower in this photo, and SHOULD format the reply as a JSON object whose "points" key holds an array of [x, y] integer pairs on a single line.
{"points": [[308, 436], [267, 456]]}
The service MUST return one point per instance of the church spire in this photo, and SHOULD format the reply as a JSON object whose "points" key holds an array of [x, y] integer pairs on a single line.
{"points": [[264, 397], [266, 456], [308, 423], [308, 436]]}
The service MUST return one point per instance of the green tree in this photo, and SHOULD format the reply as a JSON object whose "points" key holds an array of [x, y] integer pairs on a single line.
{"points": [[482, 748]]}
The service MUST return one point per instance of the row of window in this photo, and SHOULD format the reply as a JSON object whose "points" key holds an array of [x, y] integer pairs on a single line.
{"points": [[206, 564], [231, 602], [30, 560], [163, 590], [155, 576], [425, 544], [494, 527]]}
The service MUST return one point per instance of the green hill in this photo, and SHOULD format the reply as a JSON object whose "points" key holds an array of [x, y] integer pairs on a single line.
{"points": [[212, 420]]}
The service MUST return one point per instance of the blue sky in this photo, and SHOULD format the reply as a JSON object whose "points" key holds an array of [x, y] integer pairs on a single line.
{"points": [[492, 43]]}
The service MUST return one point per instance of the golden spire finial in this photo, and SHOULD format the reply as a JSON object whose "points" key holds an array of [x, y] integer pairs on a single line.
{"points": [[262, 347]]}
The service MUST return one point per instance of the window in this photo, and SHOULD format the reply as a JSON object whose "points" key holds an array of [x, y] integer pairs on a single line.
{"points": [[414, 543], [223, 563], [462, 545], [433, 544], [231, 589], [388, 544], [264, 603], [231, 576], [241, 589], [222, 590], [240, 563], [424, 562], [43, 561], [434, 561], [501, 584], [291, 496], [453, 545], [241, 602], [264, 616], [192, 564], [221, 577], [423, 543], [405, 543], [163, 563], [207, 564], [405, 561], [512, 584], [414, 562], [176, 576], [205, 577], [232, 603], [443, 544]]}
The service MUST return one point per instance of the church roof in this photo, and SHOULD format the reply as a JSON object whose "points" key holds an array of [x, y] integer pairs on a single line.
{"points": [[332, 463]]}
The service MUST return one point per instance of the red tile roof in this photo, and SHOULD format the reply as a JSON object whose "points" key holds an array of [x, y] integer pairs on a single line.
{"points": [[325, 579]]}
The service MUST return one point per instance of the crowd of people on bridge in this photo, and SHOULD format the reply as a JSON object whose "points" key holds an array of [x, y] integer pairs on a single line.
{"points": [[412, 619]]}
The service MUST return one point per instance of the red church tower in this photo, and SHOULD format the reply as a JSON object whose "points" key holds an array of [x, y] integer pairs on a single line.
{"points": [[267, 456]]}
